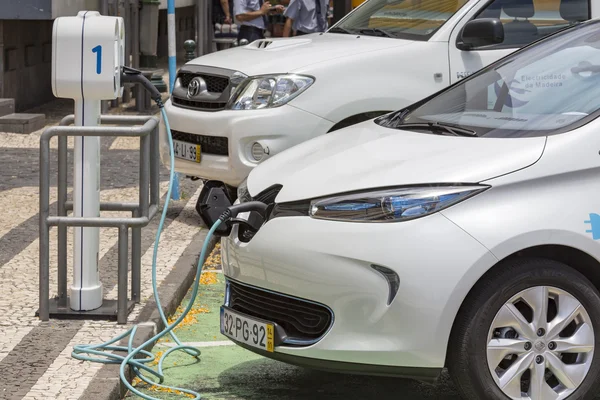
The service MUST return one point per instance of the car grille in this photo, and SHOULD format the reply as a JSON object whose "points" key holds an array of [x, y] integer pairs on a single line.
{"points": [[216, 145], [214, 84], [301, 320], [200, 105]]}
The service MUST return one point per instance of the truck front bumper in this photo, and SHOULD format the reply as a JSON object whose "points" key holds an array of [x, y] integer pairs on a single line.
{"points": [[275, 129]]}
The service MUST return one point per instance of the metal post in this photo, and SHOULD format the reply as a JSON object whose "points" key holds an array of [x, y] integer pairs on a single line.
{"points": [[136, 261], [104, 10], [135, 33], [175, 195], [154, 171], [62, 230], [127, 17], [44, 311], [202, 19], [142, 211], [122, 275]]}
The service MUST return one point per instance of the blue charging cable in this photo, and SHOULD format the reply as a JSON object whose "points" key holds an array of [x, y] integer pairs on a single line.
{"points": [[98, 353]]}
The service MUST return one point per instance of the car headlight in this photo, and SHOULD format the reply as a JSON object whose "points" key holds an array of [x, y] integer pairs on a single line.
{"points": [[391, 205], [268, 91]]}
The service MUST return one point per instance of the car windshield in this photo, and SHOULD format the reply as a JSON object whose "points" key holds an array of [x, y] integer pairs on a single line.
{"points": [[549, 88], [407, 19]]}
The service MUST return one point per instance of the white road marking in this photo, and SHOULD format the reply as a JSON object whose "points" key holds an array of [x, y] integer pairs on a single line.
{"points": [[199, 344]]}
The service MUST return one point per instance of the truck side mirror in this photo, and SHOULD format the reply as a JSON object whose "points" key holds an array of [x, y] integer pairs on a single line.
{"points": [[481, 32]]}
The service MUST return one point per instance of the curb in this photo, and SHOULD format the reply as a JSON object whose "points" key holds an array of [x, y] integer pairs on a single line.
{"points": [[106, 385]]}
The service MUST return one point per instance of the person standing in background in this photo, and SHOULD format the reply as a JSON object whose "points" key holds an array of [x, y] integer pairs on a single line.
{"points": [[222, 10], [252, 14], [306, 16]]}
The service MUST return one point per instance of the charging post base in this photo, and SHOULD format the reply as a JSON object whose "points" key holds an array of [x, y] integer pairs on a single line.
{"points": [[108, 311]]}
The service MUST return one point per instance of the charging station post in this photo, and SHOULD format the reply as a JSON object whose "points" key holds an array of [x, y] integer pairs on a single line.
{"points": [[86, 67]]}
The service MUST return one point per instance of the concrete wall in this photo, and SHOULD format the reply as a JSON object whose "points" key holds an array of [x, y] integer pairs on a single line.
{"points": [[64, 8], [185, 29], [25, 9], [25, 62]]}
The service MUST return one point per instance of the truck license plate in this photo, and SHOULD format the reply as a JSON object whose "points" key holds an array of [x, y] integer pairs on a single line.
{"points": [[186, 151], [247, 330]]}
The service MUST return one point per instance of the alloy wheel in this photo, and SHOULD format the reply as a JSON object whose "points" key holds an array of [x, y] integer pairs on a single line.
{"points": [[540, 345]]}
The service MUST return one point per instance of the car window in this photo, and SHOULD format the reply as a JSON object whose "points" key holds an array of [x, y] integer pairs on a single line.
{"points": [[408, 19], [526, 21], [546, 89]]}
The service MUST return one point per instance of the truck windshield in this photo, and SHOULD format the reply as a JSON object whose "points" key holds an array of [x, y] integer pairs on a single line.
{"points": [[549, 88], [406, 19]]}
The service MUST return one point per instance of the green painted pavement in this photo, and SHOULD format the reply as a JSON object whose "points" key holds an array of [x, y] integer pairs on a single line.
{"points": [[232, 373]]}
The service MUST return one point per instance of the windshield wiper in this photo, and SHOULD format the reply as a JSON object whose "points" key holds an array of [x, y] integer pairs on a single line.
{"points": [[339, 29], [380, 32], [439, 126]]}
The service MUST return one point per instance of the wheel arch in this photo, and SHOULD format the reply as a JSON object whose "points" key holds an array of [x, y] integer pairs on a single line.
{"points": [[575, 258]]}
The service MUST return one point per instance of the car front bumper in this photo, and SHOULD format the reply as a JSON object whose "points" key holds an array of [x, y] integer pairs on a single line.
{"points": [[275, 129], [331, 263]]}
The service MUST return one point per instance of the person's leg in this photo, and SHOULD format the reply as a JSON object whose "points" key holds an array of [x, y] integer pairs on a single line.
{"points": [[249, 33]]}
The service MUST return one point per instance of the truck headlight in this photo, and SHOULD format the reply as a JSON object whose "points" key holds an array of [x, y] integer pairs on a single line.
{"points": [[235, 80], [268, 91], [391, 205]]}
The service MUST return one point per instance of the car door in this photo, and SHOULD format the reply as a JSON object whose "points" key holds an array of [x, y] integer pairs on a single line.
{"points": [[524, 21]]}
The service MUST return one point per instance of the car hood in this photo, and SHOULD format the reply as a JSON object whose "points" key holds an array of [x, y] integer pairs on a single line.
{"points": [[369, 156], [282, 55]]}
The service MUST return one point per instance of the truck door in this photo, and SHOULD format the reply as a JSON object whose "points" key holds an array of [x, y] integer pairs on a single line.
{"points": [[524, 21]]}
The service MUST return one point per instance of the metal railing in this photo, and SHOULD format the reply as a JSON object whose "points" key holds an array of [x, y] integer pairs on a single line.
{"points": [[144, 127]]}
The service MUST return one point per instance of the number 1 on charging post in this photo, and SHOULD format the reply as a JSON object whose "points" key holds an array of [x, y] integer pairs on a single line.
{"points": [[98, 51]]}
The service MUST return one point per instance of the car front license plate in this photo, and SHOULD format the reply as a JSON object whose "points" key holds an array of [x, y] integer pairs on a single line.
{"points": [[247, 330], [187, 151]]}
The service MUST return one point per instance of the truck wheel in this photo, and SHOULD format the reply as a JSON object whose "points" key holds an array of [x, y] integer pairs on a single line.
{"points": [[528, 330]]}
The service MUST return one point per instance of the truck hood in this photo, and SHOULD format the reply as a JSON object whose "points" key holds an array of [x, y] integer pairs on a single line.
{"points": [[369, 156], [282, 55]]}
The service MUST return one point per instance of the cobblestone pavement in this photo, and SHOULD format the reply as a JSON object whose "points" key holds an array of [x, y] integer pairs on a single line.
{"points": [[35, 357]]}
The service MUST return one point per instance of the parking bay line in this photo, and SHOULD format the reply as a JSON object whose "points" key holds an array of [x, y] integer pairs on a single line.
{"points": [[199, 344]]}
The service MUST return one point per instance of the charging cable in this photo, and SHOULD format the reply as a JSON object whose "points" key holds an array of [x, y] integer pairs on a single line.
{"points": [[137, 358]]}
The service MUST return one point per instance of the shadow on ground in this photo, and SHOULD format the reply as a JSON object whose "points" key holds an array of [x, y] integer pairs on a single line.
{"points": [[265, 379]]}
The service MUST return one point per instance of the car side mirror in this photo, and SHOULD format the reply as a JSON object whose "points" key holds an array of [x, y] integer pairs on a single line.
{"points": [[214, 199], [481, 32]]}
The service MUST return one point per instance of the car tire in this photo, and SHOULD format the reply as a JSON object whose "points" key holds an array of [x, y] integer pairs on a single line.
{"points": [[491, 302]]}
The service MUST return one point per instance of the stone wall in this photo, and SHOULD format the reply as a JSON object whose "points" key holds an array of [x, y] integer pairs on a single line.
{"points": [[26, 62], [185, 30]]}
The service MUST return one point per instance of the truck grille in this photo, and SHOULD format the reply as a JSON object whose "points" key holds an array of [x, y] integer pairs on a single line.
{"points": [[216, 145], [301, 320], [200, 105], [214, 84]]}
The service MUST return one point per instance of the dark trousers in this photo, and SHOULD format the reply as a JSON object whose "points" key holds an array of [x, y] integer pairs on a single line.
{"points": [[250, 33], [300, 33]]}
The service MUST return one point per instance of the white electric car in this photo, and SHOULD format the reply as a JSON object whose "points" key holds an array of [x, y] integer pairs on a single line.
{"points": [[233, 109], [460, 232]]}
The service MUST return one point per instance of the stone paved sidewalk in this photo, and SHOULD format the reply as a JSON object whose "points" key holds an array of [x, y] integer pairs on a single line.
{"points": [[35, 361]]}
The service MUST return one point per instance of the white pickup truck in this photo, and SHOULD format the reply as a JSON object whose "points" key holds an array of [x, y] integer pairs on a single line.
{"points": [[232, 109]]}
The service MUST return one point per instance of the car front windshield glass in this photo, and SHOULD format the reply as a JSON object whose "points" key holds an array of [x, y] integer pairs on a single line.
{"points": [[406, 19], [549, 88]]}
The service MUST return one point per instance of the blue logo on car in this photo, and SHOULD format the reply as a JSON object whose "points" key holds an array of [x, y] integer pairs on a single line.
{"points": [[594, 222]]}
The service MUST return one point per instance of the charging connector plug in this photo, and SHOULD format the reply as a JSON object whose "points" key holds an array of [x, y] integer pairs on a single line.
{"points": [[131, 75], [233, 211]]}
